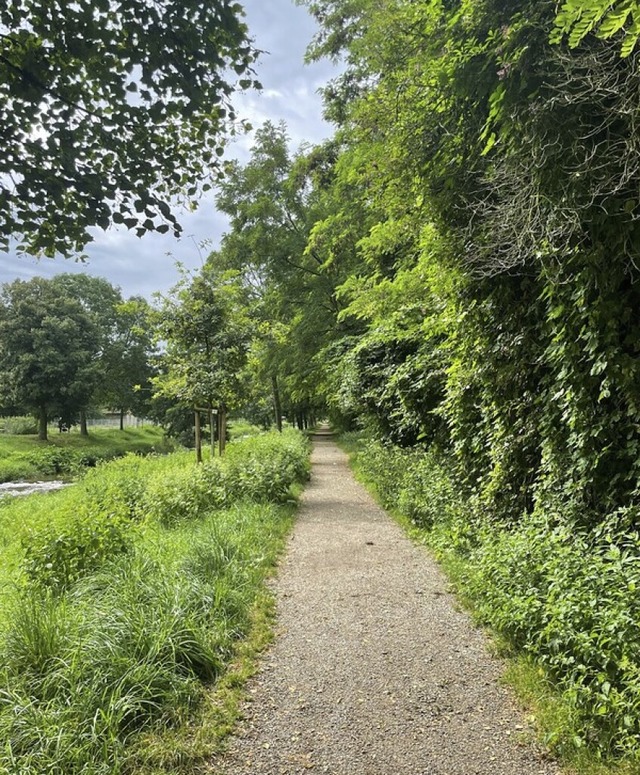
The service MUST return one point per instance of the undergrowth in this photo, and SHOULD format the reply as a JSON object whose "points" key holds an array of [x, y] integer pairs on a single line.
{"points": [[565, 600], [125, 599]]}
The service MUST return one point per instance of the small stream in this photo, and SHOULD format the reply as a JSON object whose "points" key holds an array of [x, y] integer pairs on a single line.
{"points": [[28, 488]]}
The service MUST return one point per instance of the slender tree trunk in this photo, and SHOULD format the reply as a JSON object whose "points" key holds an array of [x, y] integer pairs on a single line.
{"points": [[122, 419], [83, 423], [198, 439], [277, 407], [42, 423]]}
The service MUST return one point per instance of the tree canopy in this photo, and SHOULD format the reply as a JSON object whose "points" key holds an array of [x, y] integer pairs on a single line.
{"points": [[71, 343], [108, 110], [47, 349]]}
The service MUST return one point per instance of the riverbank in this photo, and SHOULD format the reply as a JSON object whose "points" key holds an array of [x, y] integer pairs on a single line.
{"points": [[24, 458]]}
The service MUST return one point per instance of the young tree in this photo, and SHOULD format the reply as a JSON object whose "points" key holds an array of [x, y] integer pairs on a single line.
{"points": [[275, 202], [107, 111], [206, 336]]}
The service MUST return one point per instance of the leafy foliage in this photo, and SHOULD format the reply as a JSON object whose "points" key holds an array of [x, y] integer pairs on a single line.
{"points": [[577, 18], [106, 114], [48, 348], [71, 342], [206, 331]]}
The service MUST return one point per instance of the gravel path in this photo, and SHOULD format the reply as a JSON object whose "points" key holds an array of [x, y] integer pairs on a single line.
{"points": [[374, 671]]}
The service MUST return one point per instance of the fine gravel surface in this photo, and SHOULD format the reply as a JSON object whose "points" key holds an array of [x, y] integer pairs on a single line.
{"points": [[375, 670]]}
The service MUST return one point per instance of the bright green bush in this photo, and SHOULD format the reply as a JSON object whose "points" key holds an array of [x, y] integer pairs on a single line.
{"points": [[571, 599], [56, 557], [53, 461], [409, 480], [261, 468]]}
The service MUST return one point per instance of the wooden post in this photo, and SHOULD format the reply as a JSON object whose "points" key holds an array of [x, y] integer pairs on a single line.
{"points": [[212, 431], [198, 439], [222, 429]]}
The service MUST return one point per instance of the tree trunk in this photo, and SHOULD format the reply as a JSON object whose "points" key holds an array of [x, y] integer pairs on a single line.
{"points": [[42, 423], [198, 439], [277, 407], [122, 419], [83, 423]]}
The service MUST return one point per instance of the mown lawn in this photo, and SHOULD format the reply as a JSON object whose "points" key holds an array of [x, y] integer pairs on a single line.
{"points": [[25, 457]]}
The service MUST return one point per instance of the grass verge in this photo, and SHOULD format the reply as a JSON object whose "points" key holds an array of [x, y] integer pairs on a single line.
{"points": [[147, 584], [25, 458]]}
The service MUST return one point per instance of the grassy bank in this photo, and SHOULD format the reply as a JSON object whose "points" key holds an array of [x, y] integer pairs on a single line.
{"points": [[563, 602], [24, 457], [124, 601]]}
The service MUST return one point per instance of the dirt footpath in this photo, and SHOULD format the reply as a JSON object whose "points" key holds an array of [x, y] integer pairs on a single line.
{"points": [[375, 671]]}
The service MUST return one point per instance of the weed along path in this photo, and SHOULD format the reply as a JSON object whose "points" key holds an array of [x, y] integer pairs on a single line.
{"points": [[374, 670]]}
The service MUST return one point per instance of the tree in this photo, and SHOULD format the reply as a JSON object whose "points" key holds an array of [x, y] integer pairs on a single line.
{"points": [[47, 348], [107, 111], [100, 300], [127, 367], [275, 202], [202, 326]]}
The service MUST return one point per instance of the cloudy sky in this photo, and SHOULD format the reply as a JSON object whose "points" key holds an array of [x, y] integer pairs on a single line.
{"points": [[141, 266]]}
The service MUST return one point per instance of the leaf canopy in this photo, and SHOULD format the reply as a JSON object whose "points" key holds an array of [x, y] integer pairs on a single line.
{"points": [[110, 109]]}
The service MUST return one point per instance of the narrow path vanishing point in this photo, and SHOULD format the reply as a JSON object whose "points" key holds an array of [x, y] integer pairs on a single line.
{"points": [[375, 671]]}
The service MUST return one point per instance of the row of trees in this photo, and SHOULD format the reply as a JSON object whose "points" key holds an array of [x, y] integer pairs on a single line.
{"points": [[457, 266], [70, 344]]}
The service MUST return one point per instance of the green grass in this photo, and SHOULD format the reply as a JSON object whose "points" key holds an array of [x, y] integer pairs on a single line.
{"points": [[24, 457], [128, 654]]}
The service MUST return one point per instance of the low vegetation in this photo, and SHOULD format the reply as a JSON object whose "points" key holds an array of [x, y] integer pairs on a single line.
{"points": [[564, 599], [24, 457], [124, 599]]}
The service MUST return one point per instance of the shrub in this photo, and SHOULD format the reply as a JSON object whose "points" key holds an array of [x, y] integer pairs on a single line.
{"points": [[261, 468], [56, 557], [52, 461], [20, 426]]}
